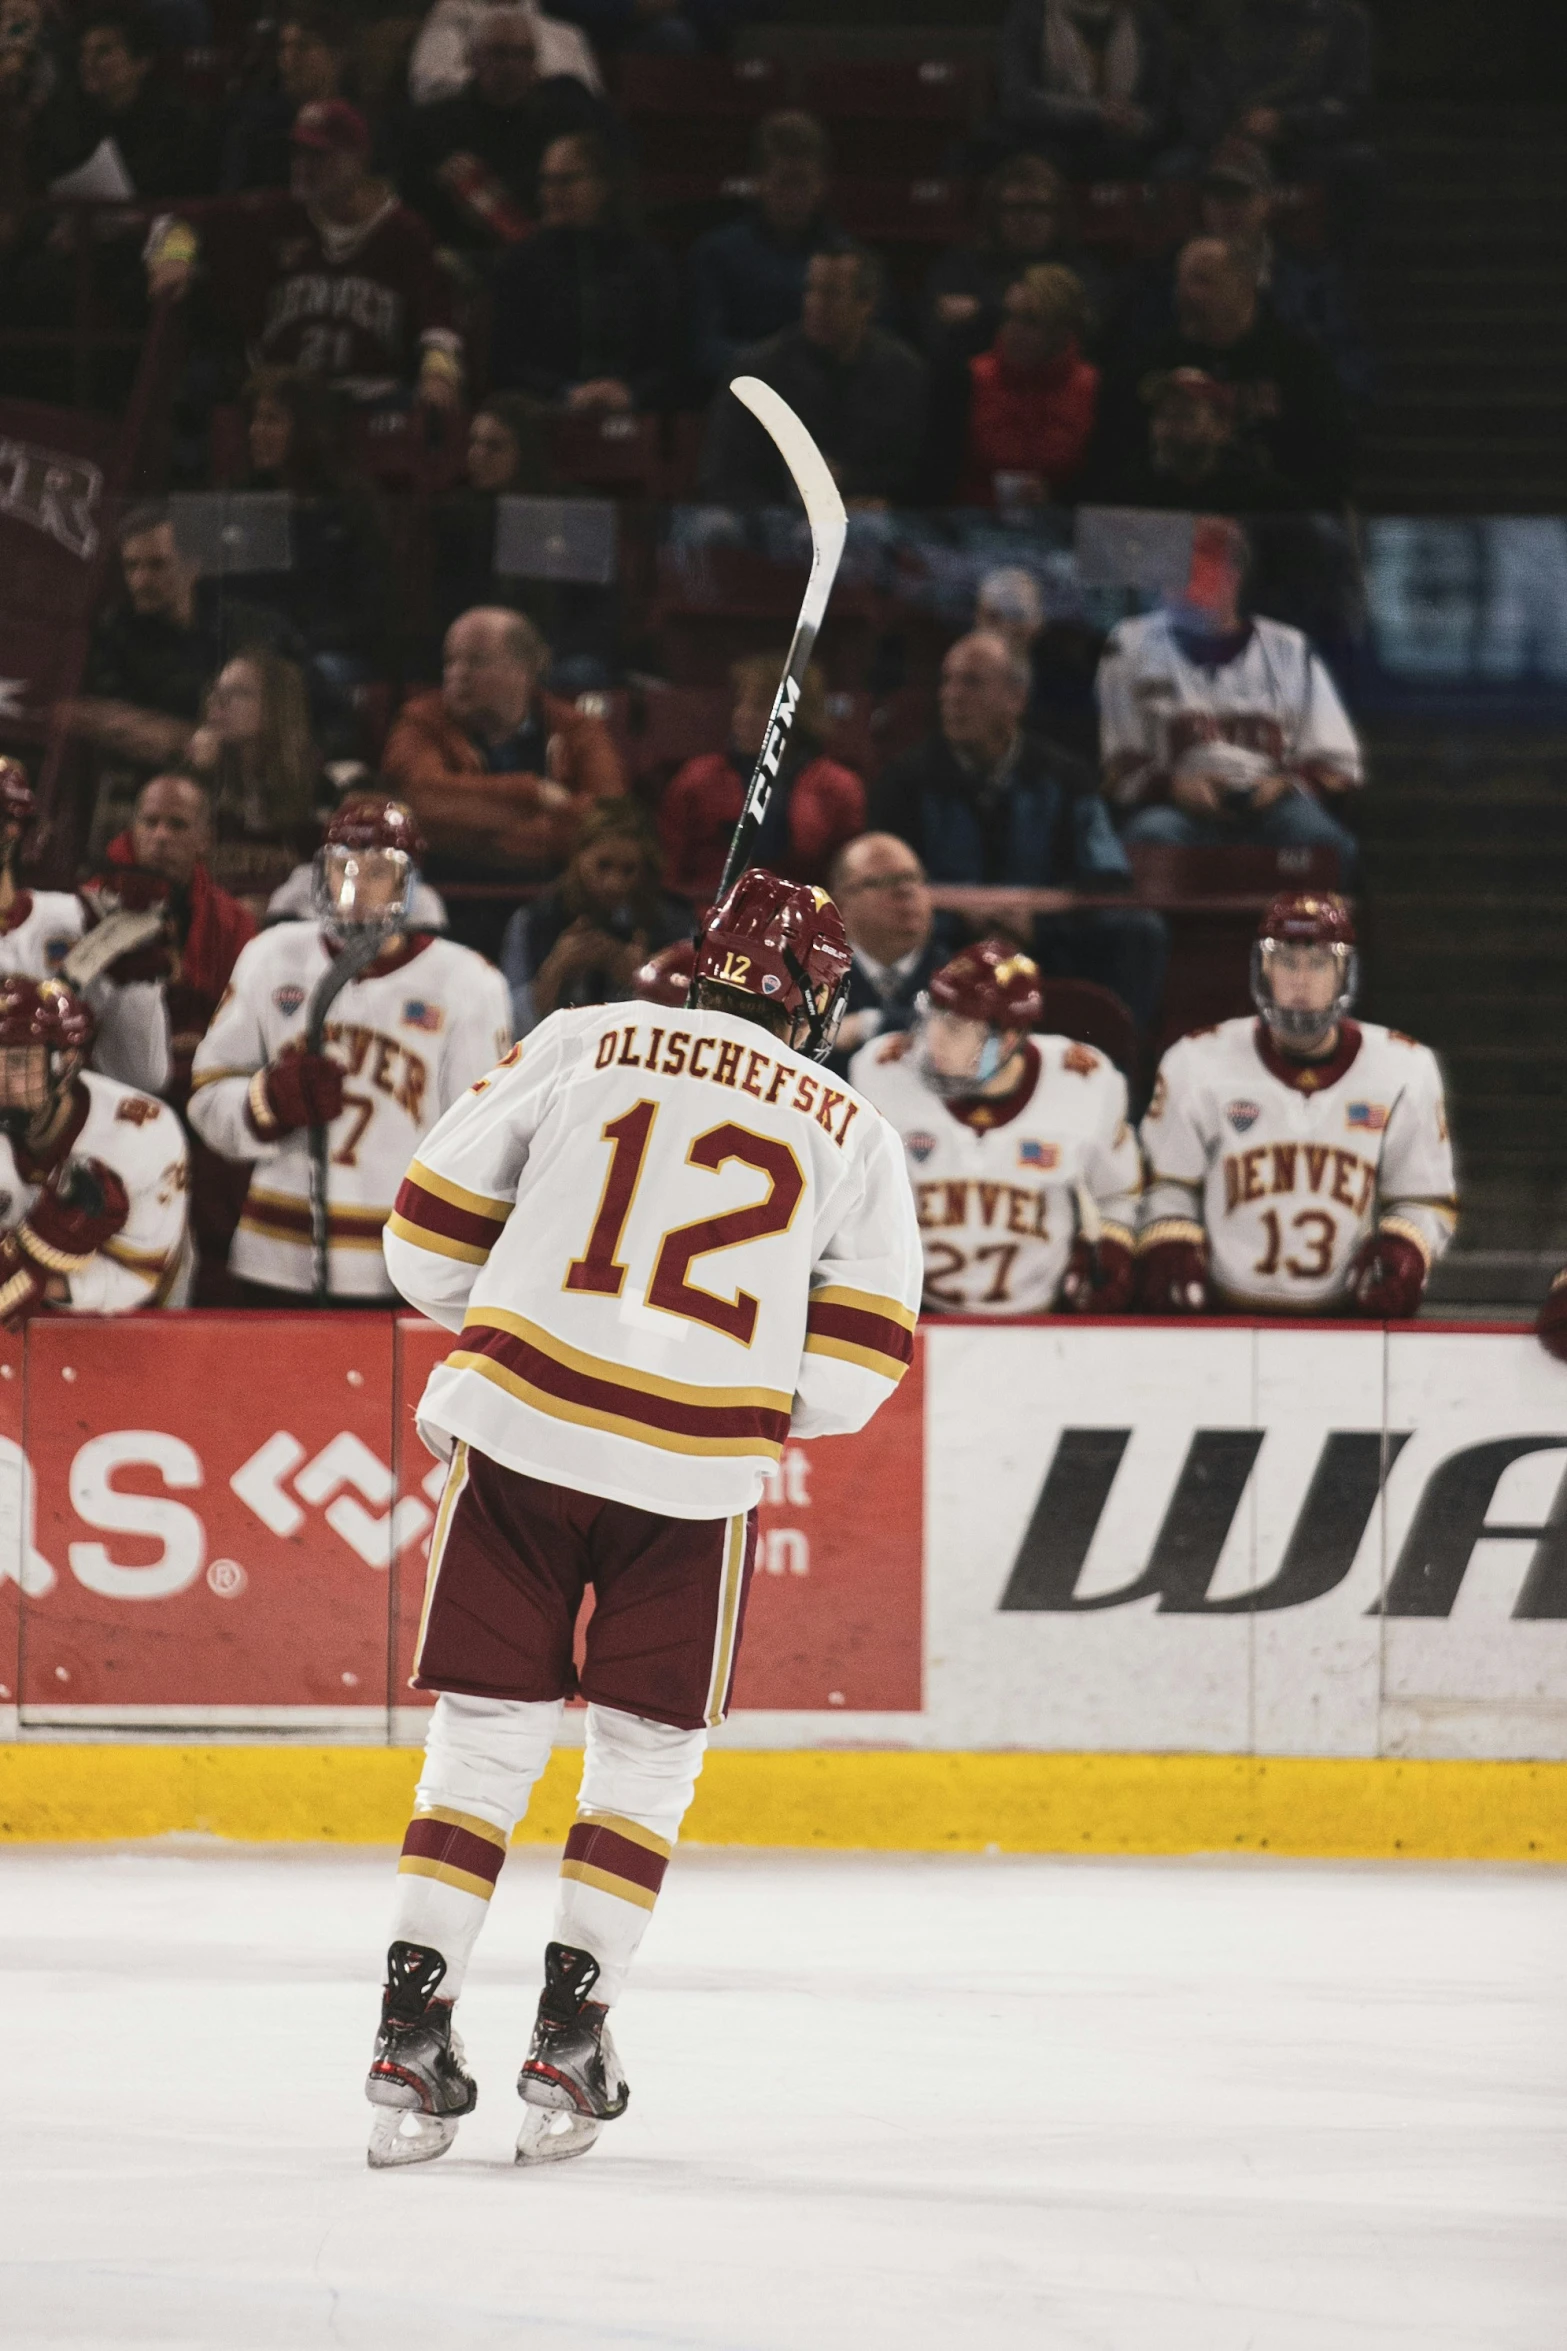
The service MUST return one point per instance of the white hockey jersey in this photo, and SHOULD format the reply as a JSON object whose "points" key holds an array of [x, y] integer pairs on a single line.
{"points": [[37, 932], [667, 1240], [1157, 706], [998, 1186], [411, 1035], [148, 1261], [1288, 1166]]}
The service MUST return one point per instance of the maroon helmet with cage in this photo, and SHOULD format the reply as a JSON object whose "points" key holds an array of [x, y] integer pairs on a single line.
{"points": [[783, 943], [46, 1033], [367, 865], [665, 978], [1303, 920], [993, 982]]}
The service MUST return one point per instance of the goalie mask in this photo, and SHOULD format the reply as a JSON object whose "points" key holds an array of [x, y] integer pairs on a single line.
{"points": [[46, 1033], [968, 1023], [366, 869], [1304, 968], [783, 943]]}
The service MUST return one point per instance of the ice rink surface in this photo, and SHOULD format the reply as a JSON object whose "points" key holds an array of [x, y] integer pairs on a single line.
{"points": [[924, 2103]]}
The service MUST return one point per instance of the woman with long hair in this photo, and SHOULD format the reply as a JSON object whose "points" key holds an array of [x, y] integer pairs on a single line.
{"points": [[255, 753], [581, 941]]}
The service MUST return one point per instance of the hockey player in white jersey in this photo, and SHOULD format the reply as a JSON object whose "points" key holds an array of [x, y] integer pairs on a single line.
{"points": [[1298, 1163], [669, 1240], [93, 1175], [1024, 1168], [114, 958], [404, 1041]]}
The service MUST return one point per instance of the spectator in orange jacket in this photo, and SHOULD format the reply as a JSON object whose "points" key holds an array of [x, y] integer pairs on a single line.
{"points": [[498, 772], [1030, 399], [817, 806]]}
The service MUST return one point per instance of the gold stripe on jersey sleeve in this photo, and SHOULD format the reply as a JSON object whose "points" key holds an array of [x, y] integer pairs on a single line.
{"points": [[866, 1302], [215, 1077], [455, 1195]]}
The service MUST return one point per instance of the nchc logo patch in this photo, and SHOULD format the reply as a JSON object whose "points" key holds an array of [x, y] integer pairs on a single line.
{"points": [[288, 999], [919, 1147], [1242, 1116]]}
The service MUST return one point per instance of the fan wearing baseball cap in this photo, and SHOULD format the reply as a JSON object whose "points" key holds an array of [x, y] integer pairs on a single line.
{"points": [[346, 285]]}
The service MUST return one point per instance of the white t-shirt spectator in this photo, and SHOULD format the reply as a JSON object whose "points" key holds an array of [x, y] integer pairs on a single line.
{"points": [[439, 66], [1271, 705]]}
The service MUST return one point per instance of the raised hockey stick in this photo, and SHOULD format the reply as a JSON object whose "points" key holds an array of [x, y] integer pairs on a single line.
{"points": [[829, 524], [344, 967]]}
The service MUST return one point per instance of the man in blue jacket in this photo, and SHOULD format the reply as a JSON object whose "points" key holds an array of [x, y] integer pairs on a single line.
{"points": [[983, 801]]}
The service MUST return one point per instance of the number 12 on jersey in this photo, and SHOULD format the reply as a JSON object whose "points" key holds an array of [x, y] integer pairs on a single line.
{"points": [[600, 1269]]}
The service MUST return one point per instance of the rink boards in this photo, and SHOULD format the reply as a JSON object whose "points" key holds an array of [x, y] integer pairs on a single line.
{"points": [[1121, 1586]]}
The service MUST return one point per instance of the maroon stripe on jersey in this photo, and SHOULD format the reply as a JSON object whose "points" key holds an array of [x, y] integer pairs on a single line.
{"points": [[602, 1848], [859, 1329], [630, 1403], [443, 1840], [418, 1207]]}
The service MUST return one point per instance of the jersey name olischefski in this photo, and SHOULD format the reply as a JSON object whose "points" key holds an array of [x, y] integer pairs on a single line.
{"points": [[148, 1261], [411, 1035], [997, 1191], [1288, 1166], [37, 933], [666, 1239]]}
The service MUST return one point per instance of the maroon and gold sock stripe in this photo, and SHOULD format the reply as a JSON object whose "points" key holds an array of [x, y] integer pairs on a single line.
{"points": [[618, 1856], [455, 1848]]}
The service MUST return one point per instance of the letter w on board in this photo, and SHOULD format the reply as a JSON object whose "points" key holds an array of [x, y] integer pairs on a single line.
{"points": [[1352, 1468]]}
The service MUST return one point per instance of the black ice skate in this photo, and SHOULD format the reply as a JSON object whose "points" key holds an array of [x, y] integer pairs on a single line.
{"points": [[571, 2080], [417, 2077]]}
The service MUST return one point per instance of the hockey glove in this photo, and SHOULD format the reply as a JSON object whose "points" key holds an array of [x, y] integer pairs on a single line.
{"points": [[1551, 1324], [297, 1090], [1172, 1278], [1387, 1278], [67, 1226], [1099, 1277]]}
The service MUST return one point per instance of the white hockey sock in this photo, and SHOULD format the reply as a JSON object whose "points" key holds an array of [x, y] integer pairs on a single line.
{"points": [[481, 1760], [638, 1779]]}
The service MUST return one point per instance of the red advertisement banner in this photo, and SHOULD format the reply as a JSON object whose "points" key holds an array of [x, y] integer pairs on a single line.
{"points": [[223, 1520]]}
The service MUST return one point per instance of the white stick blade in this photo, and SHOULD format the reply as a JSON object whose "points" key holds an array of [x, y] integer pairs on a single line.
{"points": [[823, 506]]}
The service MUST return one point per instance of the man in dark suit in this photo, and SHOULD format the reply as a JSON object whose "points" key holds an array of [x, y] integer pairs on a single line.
{"points": [[879, 887], [983, 801]]}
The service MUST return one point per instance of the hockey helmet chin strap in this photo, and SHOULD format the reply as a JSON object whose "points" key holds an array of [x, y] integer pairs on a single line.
{"points": [[1295, 1024], [821, 1023]]}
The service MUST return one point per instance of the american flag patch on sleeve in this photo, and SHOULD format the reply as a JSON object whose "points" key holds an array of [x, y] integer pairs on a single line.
{"points": [[419, 1015], [1370, 1115]]}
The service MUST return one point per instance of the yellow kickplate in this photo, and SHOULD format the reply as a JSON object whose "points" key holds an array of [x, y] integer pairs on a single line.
{"points": [[868, 1800]]}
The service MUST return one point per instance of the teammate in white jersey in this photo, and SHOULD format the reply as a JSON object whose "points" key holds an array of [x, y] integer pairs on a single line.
{"points": [[93, 1176], [1024, 1168], [54, 934], [403, 1042], [1298, 1163], [669, 1240]]}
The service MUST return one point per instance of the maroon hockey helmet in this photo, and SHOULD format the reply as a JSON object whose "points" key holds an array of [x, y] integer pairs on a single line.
{"points": [[783, 943], [367, 866], [994, 982], [665, 978], [46, 1033], [18, 801], [1296, 920]]}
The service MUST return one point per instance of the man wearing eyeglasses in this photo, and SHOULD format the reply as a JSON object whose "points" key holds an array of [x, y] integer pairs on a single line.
{"points": [[879, 887]]}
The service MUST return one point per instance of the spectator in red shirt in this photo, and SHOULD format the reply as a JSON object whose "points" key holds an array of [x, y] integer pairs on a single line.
{"points": [[1031, 397], [817, 807]]}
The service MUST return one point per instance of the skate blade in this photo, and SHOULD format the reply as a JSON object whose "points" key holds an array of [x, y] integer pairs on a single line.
{"points": [[398, 2135], [550, 2135]]}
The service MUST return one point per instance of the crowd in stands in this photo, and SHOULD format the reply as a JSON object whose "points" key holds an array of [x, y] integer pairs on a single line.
{"points": [[443, 246]]}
